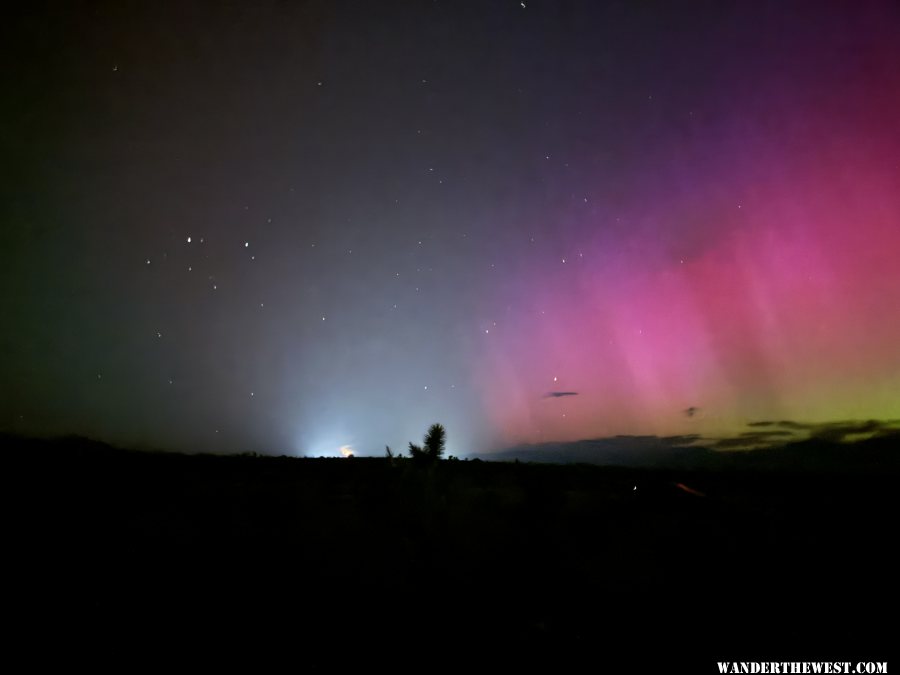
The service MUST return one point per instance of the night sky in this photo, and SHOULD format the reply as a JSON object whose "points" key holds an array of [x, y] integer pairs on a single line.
{"points": [[293, 227]]}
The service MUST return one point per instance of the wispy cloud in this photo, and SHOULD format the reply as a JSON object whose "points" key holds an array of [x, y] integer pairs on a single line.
{"points": [[777, 432]]}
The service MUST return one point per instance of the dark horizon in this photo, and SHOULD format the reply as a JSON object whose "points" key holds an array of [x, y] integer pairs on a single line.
{"points": [[869, 445]]}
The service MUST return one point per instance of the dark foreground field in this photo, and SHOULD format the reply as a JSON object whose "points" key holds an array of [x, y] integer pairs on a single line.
{"points": [[125, 559]]}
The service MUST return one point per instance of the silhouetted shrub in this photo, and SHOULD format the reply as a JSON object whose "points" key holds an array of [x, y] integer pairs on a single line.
{"points": [[433, 445]]}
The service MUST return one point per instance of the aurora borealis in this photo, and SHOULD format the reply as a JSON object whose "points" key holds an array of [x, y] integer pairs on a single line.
{"points": [[763, 285], [309, 227]]}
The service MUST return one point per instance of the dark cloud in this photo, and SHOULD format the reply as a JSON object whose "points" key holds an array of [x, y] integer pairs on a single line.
{"points": [[747, 441], [789, 424], [785, 424], [560, 394], [833, 448], [766, 434], [837, 432], [840, 431]]}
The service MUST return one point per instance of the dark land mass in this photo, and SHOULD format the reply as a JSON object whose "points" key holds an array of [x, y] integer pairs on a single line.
{"points": [[127, 559]]}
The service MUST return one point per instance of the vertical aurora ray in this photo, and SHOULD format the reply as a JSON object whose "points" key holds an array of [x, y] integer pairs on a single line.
{"points": [[753, 276]]}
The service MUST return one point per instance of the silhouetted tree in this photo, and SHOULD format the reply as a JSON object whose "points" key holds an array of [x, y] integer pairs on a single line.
{"points": [[416, 452], [388, 453], [435, 440], [432, 448]]}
